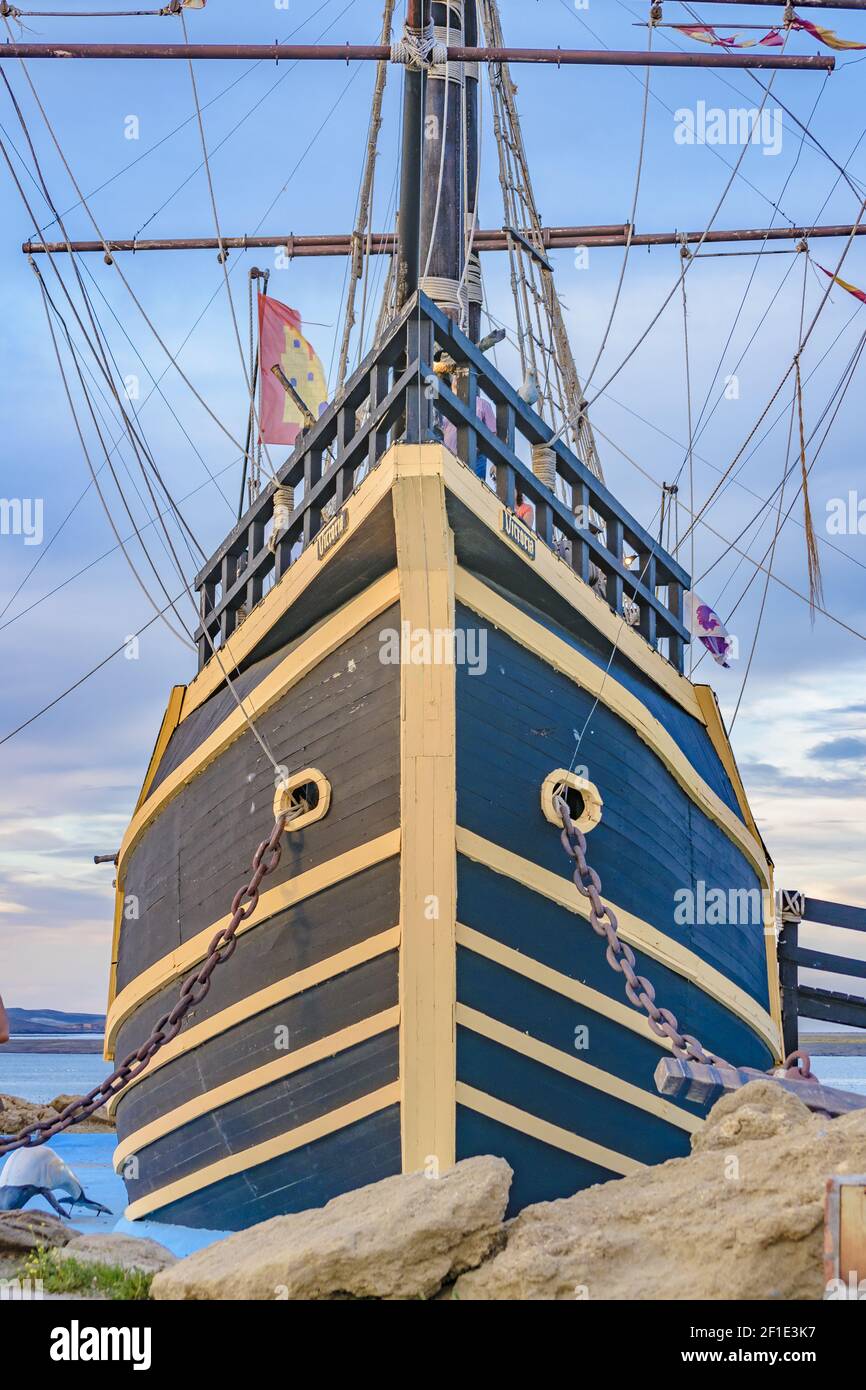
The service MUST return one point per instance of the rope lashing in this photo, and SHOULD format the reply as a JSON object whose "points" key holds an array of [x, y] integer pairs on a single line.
{"points": [[451, 296], [284, 502], [544, 465], [472, 280], [419, 49]]}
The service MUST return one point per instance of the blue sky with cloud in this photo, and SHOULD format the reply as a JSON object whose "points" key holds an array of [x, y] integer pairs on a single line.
{"points": [[287, 145]]}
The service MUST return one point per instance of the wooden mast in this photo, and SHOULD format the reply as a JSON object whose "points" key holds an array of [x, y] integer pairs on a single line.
{"points": [[442, 193], [409, 224]]}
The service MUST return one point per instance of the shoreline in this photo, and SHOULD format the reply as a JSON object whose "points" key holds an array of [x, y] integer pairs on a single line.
{"points": [[53, 1043]]}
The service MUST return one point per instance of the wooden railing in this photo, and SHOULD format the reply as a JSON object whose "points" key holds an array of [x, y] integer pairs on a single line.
{"points": [[810, 1001], [396, 396]]}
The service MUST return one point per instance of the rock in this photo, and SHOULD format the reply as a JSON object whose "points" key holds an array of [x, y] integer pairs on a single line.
{"points": [[16, 1114], [19, 1113], [99, 1120], [401, 1238], [21, 1231], [127, 1252], [741, 1218], [758, 1111]]}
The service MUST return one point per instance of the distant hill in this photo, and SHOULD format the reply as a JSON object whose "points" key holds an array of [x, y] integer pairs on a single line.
{"points": [[47, 1022]]}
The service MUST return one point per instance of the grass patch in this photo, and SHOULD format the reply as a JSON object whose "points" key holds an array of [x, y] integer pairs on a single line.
{"points": [[75, 1276]]}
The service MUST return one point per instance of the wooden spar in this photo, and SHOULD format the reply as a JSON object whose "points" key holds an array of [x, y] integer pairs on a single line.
{"points": [[375, 53], [705, 1085], [385, 243]]}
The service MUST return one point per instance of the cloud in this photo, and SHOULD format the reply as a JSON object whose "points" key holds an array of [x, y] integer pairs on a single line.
{"points": [[839, 748]]}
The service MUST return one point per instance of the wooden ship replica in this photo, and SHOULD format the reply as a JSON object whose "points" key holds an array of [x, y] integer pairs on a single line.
{"points": [[414, 984]]}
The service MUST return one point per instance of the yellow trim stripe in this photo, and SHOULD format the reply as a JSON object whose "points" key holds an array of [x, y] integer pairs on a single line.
{"points": [[715, 725], [262, 1153], [254, 1081], [274, 901], [316, 648], [530, 969], [558, 1138], [277, 993], [632, 929], [285, 593], [170, 721], [575, 1067], [428, 796], [712, 717], [605, 687]]}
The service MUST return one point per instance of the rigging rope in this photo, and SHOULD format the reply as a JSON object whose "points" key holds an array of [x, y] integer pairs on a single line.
{"points": [[685, 254], [732, 546], [771, 552], [632, 217], [363, 223], [223, 255]]}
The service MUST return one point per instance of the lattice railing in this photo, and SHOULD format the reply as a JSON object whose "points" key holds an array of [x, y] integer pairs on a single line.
{"points": [[396, 396]]}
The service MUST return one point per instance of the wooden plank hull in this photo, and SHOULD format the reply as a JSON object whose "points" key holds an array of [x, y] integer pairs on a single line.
{"points": [[420, 982]]}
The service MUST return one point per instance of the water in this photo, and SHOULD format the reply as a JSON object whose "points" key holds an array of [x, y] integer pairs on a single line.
{"points": [[846, 1073], [40, 1076]]}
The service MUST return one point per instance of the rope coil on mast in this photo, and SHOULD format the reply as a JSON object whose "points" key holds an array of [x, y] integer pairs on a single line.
{"points": [[450, 295], [419, 49]]}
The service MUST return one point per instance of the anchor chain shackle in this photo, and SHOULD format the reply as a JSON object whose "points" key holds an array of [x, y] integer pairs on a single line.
{"points": [[620, 957], [193, 991]]}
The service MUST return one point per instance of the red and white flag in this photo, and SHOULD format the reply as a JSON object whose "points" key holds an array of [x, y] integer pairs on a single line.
{"points": [[282, 344]]}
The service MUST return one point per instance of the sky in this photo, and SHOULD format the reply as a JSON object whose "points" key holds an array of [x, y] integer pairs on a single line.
{"points": [[286, 145]]}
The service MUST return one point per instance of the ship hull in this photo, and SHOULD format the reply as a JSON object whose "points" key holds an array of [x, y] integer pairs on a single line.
{"points": [[420, 982]]}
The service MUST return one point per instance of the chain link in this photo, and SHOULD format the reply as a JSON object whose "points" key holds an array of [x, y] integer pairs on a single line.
{"points": [[620, 957], [193, 991]]}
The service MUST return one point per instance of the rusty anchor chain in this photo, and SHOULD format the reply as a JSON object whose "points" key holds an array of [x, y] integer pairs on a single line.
{"points": [[620, 957], [193, 991]]}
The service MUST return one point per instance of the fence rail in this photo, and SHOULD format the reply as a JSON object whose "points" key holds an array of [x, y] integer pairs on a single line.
{"points": [[396, 396], [812, 1001]]}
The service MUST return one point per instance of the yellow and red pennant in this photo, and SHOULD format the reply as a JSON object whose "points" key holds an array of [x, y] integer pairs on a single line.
{"points": [[843, 284], [706, 33]]}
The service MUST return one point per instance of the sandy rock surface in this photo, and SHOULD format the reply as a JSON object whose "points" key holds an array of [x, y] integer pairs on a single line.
{"points": [[741, 1218], [127, 1252], [401, 1238], [22, 1231], [16, 1114]]}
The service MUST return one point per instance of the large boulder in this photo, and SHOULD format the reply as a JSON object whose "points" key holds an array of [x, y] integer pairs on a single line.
{"points": [[97, 1123], [401, 1238], [17, 1114], [22, 1231], [741, 1218], [125, 1252]]}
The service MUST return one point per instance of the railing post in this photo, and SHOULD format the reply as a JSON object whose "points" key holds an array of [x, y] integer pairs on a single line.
{"points": [[580, 549], [312, 475], [255, 541], [789, 979], [467, 436], [419, 348], [676, 645], [646, 573], [379, 387], [614, 531]]}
